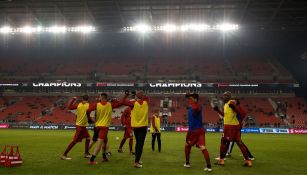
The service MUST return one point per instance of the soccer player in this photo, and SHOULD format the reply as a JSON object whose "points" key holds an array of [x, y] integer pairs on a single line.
{"points": [[83, 110], [196, 132], [155, 130], [126, 122], [103, 120], [232, 129], [139, 123]]}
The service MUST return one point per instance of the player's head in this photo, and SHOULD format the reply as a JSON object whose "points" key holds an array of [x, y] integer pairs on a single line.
{"points": [[104, 96], [194, 97], [139, 94], [156, 112], [85, 97], [227, 96], [133, 94]]}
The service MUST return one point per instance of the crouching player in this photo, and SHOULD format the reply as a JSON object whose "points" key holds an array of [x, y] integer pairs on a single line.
{"points": [[196, 132]]}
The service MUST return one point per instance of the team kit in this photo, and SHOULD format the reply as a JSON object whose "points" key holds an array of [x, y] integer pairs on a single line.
{"points": [[135, 121]]}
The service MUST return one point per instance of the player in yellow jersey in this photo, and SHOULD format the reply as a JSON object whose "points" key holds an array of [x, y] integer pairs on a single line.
{"points": [[155, 130], [82, 112], [103, 119], [139, 123], [232, 129]]}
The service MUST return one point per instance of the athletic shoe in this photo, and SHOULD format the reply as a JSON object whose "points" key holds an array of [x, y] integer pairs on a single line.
{"points": [[208, 169], [120, 150], [109, 153], [87, 156], [137, 165], [187, 165], [248, 163], [228, 155], [92, 163], [251, 158], [65, 157], [220, 162], [218, 158]]}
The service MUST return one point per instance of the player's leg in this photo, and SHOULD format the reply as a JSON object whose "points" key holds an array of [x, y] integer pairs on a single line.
{"points": [[87, 148], [77, 138], [120, 149], [137, 142], [105, 150], [159, 141], [223, 150], [153, 139], [250, 156], [142, 136], [229, 149], [131, 144], [187, 151], [237, 139], [96, 151], [201, 144]]}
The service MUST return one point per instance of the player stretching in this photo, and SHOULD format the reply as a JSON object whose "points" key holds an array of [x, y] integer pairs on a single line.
{"points": [[82, 112], [232, 129], [196, 132], [139, 123], [103, 120], [241, 115], [126, 122], [155, 130]]}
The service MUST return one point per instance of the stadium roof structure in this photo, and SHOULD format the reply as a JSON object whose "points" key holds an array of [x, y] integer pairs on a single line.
{"points": [[113, 15]]}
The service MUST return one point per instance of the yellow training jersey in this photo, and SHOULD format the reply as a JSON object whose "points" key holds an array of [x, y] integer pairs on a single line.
{"points": [[157, 124], [230, 116], [82, 114], [139, 114], [103, 114]]}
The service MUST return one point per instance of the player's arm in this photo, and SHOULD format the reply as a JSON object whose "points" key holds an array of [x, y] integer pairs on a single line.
{"points": [[116, 104], [91, 108], [72, 105], [154, 124], [218, 111], [123, 117], [234, 106]]}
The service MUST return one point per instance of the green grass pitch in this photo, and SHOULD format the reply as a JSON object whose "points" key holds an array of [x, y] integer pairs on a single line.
{"points": [[40, 150]]}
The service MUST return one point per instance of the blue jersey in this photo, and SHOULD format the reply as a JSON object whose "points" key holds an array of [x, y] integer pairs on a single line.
{"points": [[195, 119]]}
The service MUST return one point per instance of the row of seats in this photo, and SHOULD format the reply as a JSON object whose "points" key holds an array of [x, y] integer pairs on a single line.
{"points": [[157, 66]]}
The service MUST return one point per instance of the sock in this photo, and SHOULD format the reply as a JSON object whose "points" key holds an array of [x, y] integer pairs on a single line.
{"points": [[187, 152], [207, 157], [87, 144], [130, 144], [122, 143], [69, 147], [92, 158]]}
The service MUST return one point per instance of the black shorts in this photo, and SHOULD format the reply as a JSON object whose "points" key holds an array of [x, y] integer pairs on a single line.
{"points": [[95, 135]]}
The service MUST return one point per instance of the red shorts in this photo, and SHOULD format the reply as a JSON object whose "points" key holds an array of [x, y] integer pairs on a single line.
{"points": [[102, 132], [81, 133], [232, 132], [196, 137], [128, 132]]}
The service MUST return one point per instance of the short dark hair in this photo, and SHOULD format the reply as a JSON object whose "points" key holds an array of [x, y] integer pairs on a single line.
{"points": [[195, 96], [85, 97], [104, 95]]}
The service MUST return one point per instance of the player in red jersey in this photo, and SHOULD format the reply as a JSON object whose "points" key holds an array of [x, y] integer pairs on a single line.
{"points": [[128, 134], [82, 112]]}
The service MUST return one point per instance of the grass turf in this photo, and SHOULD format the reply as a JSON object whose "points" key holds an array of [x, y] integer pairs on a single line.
{"points": [[40, 150]]}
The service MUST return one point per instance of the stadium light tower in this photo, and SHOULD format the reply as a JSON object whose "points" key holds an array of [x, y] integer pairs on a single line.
{"points": [[226, 27], [142, 28]]}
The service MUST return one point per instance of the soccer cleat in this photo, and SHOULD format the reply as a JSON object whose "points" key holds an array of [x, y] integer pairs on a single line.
{"points": [[248, 163], [220, 162], [120, 150], [137, 165], [228, 155], [208, 169], [109, 153], [65, 157], [187, 165], [218, 158], [87, 156]]}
